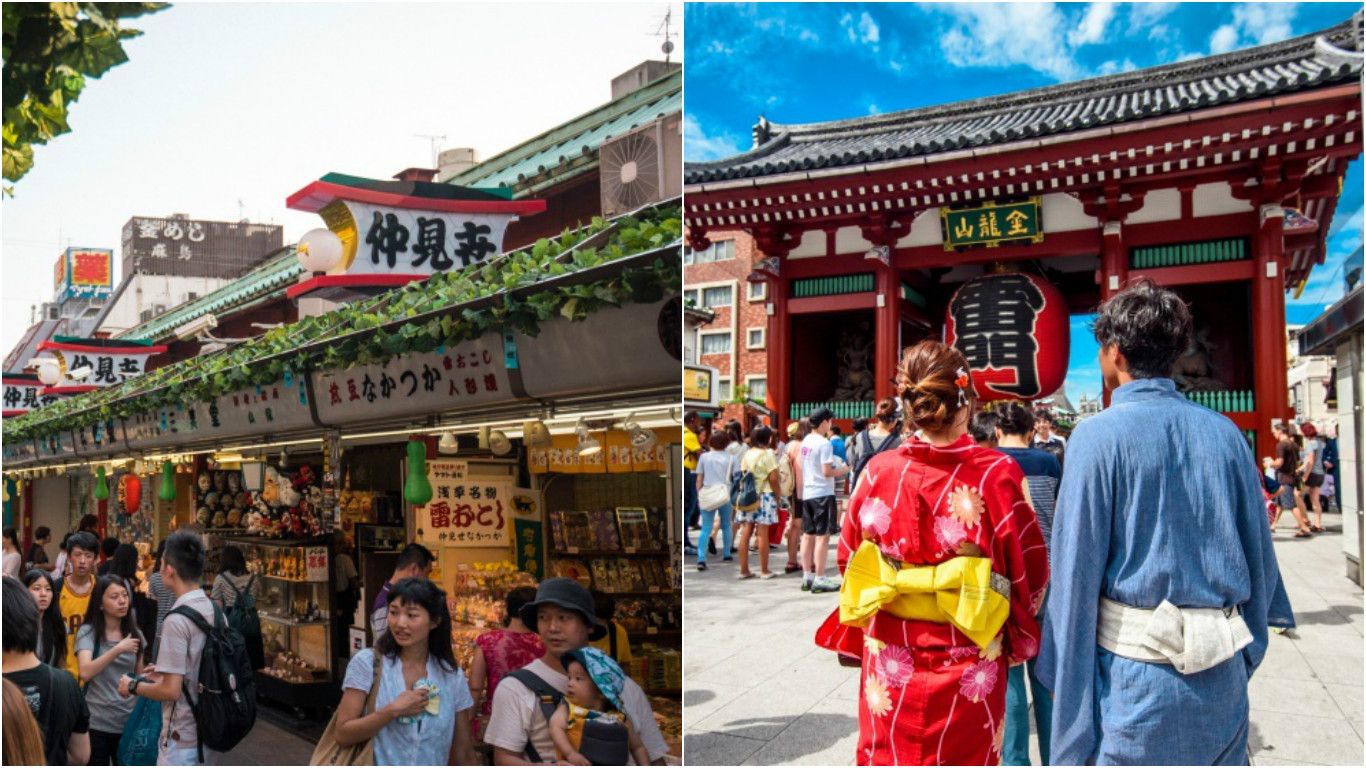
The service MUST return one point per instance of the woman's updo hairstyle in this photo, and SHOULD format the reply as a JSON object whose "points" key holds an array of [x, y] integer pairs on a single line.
{"points": [[927, 383]]}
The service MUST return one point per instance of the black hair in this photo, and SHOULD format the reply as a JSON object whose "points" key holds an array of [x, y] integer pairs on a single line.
{"points": [[20, 617], [690, 416], [83, 540], [66, 539], [94, 612], [604, 605], [819, 416], [1044, 416], [1150, 325], [10, 534], [185, 553], [54, 628], [42, 533], [515, 599], [983, 426], [124, 564], [835, 428], [761, 437], [231, 560], [861, 423], [108, 546], [1014, 419], [88, 524], [414, 554], [429, 597], [156, 555]]}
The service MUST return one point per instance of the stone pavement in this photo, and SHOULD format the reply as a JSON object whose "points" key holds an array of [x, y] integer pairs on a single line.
{"points": [[269, 744], [757, 691]]}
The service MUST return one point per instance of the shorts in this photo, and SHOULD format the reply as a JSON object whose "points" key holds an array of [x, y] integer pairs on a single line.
{"points": [[1286, 496], [764, 514], [1313, 481], [820, 516]]}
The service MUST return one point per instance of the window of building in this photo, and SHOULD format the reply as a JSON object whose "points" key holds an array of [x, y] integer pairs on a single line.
{"points": [[720, 296], [758, 291], [758, 387], [722, 250], [690, 297], [716, 343], [723, 390], [755, 338]]}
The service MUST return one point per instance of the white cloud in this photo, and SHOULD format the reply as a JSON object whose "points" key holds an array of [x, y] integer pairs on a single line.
{"points": [[867, 28], [873, 109], [699, 145], [1028, 34], [1113, 66], [1224, 39], [1142, 15], [861, 30], [718, 47], [1091, 29]]}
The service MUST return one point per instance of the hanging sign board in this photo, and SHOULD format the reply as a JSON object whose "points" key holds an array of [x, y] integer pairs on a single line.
{"points": [[635, 346], [108, 364], [22, 393], [992, 224], [260, 410], [84, 273], [465, 510]]}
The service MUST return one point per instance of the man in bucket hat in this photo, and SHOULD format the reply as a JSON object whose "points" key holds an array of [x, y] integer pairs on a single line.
{"points": [[519, 726]]}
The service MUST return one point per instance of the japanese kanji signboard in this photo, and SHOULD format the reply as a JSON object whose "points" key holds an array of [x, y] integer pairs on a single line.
{"points": [[470, 373], [409, 229], [85, 273], [466, 510], [1013, 330], [992, 224], [258, 410], [196, 248], [23, 393], [108, 364]]}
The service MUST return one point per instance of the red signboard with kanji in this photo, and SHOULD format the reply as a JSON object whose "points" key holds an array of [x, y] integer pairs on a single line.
{"points": [[1013, 330]]}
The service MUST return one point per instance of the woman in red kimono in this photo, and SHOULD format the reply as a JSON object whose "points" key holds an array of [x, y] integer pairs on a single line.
{"points": [[945, 568]]}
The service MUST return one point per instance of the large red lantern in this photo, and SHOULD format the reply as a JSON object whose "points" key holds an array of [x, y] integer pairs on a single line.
{"points": [[132, 493], [1013, 330]]}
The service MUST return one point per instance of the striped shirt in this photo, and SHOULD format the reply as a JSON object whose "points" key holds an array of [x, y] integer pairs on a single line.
{"points": [[1043, 475]]}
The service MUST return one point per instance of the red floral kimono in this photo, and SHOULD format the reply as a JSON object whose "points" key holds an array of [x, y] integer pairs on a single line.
{"points": [[930, 696]]}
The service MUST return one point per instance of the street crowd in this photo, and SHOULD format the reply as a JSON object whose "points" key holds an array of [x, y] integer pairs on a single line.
{"points": [[102, 669], [1121, 578]]}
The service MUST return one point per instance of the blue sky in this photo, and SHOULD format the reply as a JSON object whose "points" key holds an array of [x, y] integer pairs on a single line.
{"points": [[798, 63]]}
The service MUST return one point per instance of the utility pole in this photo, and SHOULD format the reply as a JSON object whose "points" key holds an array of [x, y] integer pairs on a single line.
{"points": [[665, 31], [436, 147]]}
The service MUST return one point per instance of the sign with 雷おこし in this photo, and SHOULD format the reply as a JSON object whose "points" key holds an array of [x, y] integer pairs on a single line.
{"points": [[465, 510]]}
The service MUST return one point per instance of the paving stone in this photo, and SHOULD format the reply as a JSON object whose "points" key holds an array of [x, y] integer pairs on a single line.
{"points": [[1300, 738], [710, 748]]}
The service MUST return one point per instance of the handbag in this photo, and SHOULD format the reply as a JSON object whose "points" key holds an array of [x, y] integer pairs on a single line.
{"points": [[329, 752], [138, 745], [713, 497]]}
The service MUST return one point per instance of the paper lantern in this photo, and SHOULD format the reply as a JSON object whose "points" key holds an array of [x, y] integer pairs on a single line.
{"points": [[416, 488], [132, 493], [101, 485], [1013, 330], [167, 492]]}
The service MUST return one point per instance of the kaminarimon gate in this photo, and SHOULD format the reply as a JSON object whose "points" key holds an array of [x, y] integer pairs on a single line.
{"points": [[1217, 177]]}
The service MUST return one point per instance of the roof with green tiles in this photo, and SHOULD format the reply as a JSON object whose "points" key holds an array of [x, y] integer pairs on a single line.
{"points": [[571, 148], [269, 280]]}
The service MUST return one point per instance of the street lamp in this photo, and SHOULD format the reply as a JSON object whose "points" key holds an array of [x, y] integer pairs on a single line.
{"points": [[319, 250]]}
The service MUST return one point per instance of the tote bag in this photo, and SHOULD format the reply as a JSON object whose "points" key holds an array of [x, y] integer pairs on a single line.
{"points": [[713, 497], [329, 752], [138, 745]]}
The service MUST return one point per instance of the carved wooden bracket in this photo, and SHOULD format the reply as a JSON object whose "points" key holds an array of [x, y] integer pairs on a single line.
{"points": [[1110, 204], [773, 241], [1276, 182], [886, 229], [697, 239]]}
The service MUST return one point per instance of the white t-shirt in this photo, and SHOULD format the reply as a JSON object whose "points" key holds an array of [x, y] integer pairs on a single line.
{"points": [[517, 712], [816, 452], [13, 561]]}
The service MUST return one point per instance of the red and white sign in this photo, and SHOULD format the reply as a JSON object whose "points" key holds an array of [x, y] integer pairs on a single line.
{"points": [[1012, 328], [109, 365], [465, 510]]}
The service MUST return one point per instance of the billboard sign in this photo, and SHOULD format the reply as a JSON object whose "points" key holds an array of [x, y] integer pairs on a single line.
{"points": [[195, 248], [85, 273]]}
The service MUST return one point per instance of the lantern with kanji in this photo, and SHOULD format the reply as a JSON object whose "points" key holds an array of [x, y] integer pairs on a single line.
{"points": [[1013, 329]]}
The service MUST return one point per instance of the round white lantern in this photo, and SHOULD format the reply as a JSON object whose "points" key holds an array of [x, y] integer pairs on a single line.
{"points": [[319, 250], [48, 371]]}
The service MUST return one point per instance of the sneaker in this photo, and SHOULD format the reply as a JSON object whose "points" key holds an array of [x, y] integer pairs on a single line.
{"points": [[825, 584], [806, 584], [701, 566]]}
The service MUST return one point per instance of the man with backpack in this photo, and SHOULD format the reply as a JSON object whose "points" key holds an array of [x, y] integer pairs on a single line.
{"points": [[563, 616], [202, 675]]}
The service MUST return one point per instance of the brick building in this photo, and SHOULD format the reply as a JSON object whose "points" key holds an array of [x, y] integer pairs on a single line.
{"points": [[735, 342]]}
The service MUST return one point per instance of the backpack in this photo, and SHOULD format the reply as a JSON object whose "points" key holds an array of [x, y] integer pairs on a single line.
{"points": [[867, 452], [548, 697], [745, 497], [786, 480], [242, 617], [226, 708]]}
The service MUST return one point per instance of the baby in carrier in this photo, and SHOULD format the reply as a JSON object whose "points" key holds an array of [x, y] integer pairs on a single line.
{"points": [[588, 727]]}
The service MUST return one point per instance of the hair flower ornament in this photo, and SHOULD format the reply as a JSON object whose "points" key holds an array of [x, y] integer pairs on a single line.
{"points": [[962, 383]]}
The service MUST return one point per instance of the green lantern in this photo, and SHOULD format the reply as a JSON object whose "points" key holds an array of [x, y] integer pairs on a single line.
{"points": [[167, 492], [416, 489], [101, 485]]}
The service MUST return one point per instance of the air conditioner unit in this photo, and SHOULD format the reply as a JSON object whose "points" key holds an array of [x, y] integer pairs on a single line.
{"points": [[145, 315], [54, 312], [158, 309], [641, 167]]}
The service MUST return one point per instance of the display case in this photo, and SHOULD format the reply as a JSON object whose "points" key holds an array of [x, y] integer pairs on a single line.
{"points": [[295, 606]]}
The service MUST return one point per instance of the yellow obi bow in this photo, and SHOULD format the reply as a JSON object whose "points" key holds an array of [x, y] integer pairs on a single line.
{"points": [[962, 591]]}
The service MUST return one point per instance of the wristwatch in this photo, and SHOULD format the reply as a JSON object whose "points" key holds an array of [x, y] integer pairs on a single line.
{"points": [[133, 686]]}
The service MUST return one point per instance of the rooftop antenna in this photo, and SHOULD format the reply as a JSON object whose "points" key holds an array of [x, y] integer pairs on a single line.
{"points": [[240, 208], [436, 146], [665, 31]]}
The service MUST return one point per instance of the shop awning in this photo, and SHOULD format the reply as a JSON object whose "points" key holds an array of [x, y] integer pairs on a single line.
{"points": [[1323, 334]]}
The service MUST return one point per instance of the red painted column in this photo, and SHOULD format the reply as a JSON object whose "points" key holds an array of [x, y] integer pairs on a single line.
{"points": [[887, 332], [1268, 325], [1114, 271], [779, 352]]}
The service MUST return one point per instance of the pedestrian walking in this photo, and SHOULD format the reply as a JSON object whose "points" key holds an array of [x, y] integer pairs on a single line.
{"points": [[1163, 576], [792, 464], [52, 694], [51, 642], [23, 743], [498, 652], [414, 562], [73, 592], [422, 711], [692, 451], [883, 434], [1312, 471], [820, 513], [1286, 465], [1042, 475], [983, 428], [107, 647], [762, 464], [13, 561], [37, 552], [713, 493], [1046, 435], [944, 567]]}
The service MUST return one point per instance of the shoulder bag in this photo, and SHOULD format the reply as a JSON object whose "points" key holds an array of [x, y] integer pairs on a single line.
{"points": [[329, 752]]}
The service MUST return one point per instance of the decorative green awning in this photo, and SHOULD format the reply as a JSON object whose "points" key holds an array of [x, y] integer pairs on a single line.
{"points": [[1186, 254], [832, 286]]}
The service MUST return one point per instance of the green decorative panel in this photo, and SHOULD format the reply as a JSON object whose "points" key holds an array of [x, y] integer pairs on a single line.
{"points": [[1188, 254], [1228, 401], [912, 296], [844, 409], [832, 286]]}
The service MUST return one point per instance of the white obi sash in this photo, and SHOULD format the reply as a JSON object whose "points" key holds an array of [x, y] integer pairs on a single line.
{"points": [[1190, 639]]}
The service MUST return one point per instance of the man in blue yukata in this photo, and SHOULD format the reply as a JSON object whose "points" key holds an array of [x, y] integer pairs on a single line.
{"points": [[1163, 568]]}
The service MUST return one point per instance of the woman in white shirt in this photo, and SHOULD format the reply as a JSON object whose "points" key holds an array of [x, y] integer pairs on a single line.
{"points": [[714, 471], [13, 560]]}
